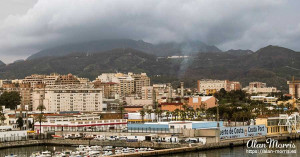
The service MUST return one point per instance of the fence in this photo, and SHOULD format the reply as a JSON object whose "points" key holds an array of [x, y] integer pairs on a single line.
{"points": [[13, 138], [156, 130]]}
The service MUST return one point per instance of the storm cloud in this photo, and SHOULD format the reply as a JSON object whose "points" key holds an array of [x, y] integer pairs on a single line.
{"points": [[228, 24]]}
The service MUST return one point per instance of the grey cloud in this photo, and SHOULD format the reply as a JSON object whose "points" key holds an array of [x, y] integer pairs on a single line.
{"points": [[227, 24]]}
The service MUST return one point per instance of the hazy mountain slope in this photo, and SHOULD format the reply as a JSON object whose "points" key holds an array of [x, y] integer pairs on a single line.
{"points": [[164, 49], [1, 63], [121, 60], [273, 65]]}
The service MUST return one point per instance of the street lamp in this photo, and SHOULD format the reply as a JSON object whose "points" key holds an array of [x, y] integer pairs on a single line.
{"points": [[218, 118]]}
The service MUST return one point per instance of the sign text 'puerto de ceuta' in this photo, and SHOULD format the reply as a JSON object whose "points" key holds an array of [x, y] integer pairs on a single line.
{"points": [[242, 131]]}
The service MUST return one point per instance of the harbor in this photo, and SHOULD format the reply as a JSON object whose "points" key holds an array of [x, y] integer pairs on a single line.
{"points": [[147, 148]]}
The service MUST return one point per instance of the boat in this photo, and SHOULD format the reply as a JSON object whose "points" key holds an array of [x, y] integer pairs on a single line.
{"points": [[11, 155]]}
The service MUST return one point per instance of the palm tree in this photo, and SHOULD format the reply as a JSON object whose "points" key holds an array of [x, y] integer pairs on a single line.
{"points": [[191, 113], [159, 113], [235, 116], [176, 113], [156, 114], [197, 113], [41, 108], [149, 111], [225, 116], [167, 115], [243, 115], [182, 115], [142, 113]]}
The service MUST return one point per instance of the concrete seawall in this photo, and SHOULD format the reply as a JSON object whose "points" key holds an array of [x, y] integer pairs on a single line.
{"points": [[163, 148]]}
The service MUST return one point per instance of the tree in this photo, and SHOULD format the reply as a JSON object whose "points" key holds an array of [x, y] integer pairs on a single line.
{"points": [[2, 118], [176, 113], [121, 109], [168, 115], [10, 99], [20, 122], [142, 113], [183, 115], [235, 116], [191, 113], [159, 113], [225, 116], [41, 117], [149, 111]]}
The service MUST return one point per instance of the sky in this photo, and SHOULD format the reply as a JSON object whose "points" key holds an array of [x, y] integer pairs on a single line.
{"points": [[28, 26]]}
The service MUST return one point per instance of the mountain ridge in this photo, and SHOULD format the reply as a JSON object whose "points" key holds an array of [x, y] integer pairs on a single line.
{"points": [[162, 49], [272, 65]]}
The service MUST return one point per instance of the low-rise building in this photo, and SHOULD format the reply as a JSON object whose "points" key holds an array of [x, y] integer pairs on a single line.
{"points": [[90, 122], [260, 88], [264, 99]]}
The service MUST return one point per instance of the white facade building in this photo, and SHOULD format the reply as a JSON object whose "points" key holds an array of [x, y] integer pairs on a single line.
{"points": [[90, 122], [68, 98]]}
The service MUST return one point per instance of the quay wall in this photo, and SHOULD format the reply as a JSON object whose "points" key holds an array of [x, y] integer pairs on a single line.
{"points": [[162, 148]]}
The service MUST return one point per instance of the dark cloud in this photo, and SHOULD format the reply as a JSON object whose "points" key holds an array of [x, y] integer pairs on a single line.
{"points": [[227, 24]]}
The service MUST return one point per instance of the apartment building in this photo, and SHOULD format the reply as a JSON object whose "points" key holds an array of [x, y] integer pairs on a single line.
{"points": [[294, 88], [110, 89], [67, 80], [126, 86], [25, 93], [51, 79], [34, 79], [68, 98], [209, 86], [140, 80], [129, 84], [259, 88], [147, 92]]}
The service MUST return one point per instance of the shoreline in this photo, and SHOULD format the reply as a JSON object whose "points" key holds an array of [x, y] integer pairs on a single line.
{"points": [[161, 148]]}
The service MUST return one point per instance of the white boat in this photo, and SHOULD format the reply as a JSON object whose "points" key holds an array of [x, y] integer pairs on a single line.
{"points": [[107, 153], [11, 155]]}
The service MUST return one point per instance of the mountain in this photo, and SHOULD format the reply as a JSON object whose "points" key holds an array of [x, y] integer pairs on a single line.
{"points": [[91, 65], [184, 48], [239, 52], [163, 49], [94, 46], [272, 64], [1, 63]]}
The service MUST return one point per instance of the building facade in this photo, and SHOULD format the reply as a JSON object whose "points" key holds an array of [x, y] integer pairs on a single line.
{"points": [[205, 86], [57, 98]]}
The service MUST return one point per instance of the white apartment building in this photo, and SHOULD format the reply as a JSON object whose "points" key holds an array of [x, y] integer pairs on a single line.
{"points": [[68, 98]]}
